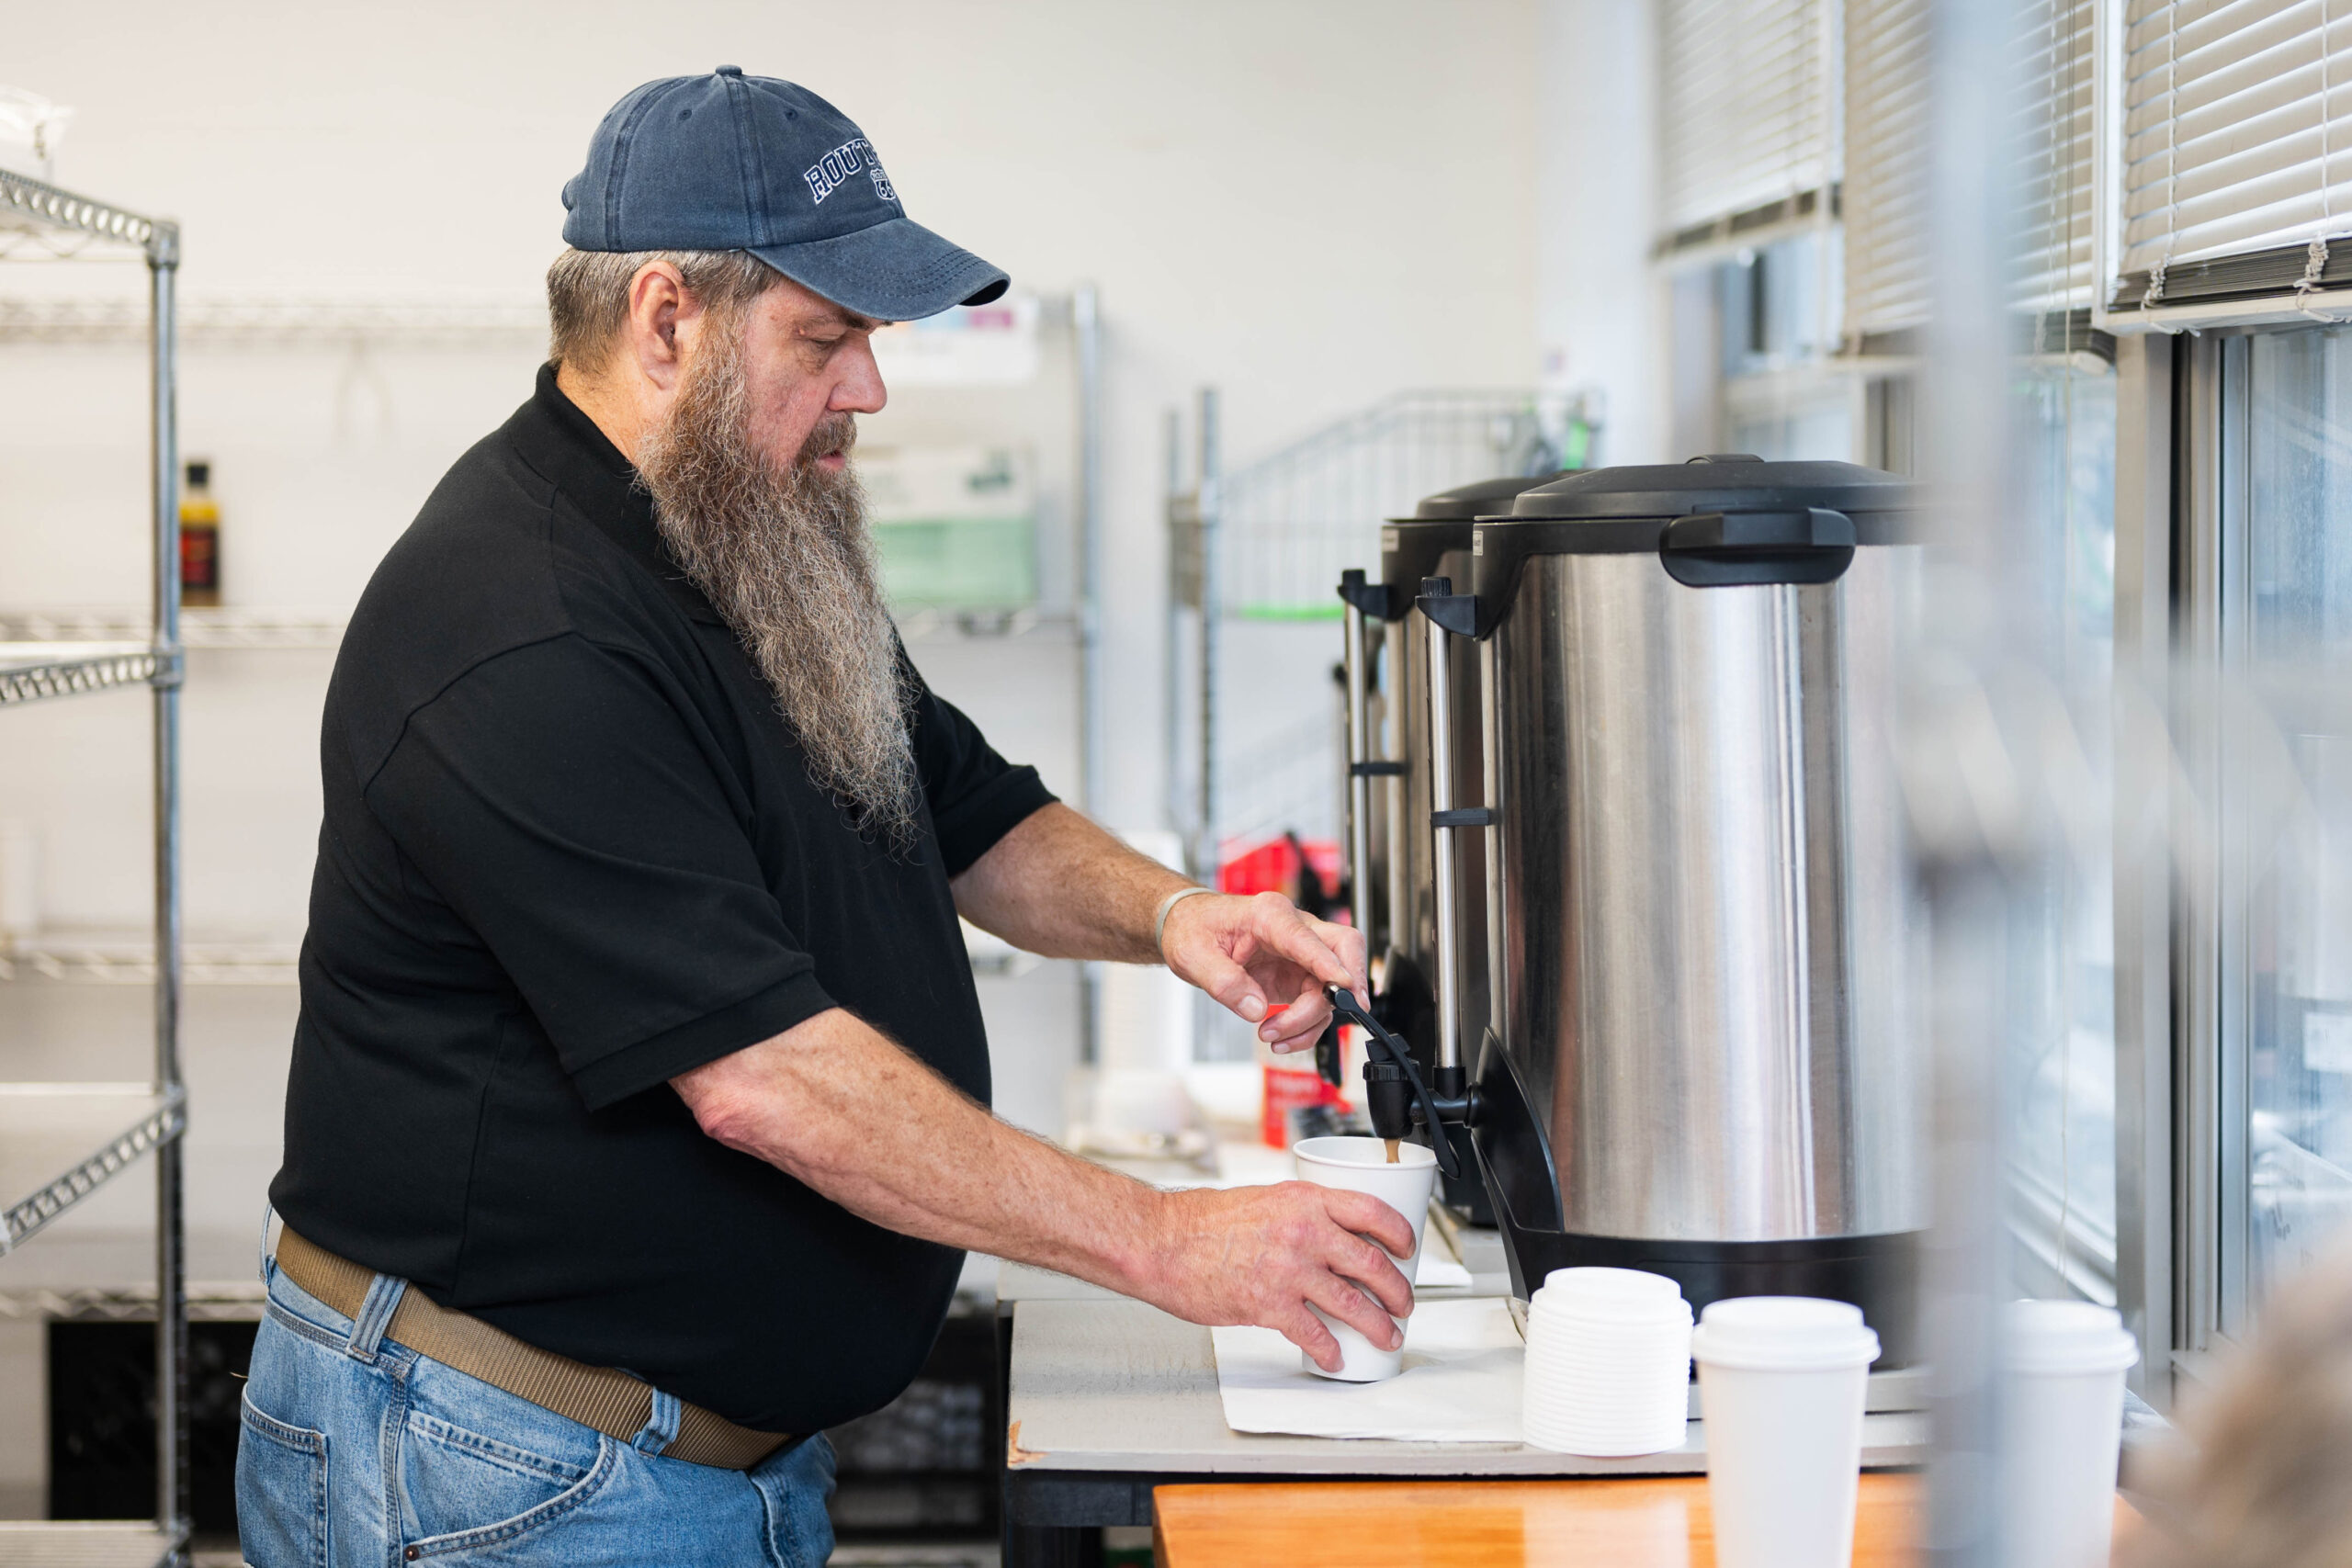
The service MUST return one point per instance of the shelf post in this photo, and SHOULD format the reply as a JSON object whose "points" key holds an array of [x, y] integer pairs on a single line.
{"points": [[1086, 325], [1171, 677], [171, 1261], [1211, 502]]}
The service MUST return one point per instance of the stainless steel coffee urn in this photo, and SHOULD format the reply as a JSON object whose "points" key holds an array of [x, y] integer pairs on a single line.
{"points": [[1389, 786], [1703, 1051]]}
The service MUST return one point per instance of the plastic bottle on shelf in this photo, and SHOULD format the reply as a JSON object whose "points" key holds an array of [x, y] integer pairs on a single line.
{"points": [[199, 537]]}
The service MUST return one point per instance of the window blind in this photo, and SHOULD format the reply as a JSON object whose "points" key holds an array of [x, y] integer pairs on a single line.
{"points": [[1745, 105], [1885, 196], [1889, 272], [2055, 142], [2237, 140]]}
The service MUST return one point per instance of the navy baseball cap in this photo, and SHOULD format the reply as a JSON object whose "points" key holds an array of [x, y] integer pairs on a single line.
{"points": [[728, 162]]}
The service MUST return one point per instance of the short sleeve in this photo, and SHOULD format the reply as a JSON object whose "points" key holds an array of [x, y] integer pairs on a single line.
{"points": [[975, 796], [569, 809]]}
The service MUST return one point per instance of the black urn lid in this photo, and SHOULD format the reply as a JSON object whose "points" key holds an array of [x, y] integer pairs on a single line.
{"points": [[1481, 498], [1721, 521], [1722, 482]]}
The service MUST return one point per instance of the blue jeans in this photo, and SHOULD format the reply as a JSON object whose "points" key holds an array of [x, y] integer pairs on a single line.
{"points": [[357, 1452]]}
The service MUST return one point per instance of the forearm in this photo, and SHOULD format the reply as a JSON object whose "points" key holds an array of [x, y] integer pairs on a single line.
{"points": [[839, 1106], [1058, 886], [1061, 887], [835, 1104]]}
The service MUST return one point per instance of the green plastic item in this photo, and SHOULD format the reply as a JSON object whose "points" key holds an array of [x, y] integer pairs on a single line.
{"points": [[967, 563]]}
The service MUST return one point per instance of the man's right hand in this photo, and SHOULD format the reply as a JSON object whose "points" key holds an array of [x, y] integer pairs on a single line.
{"points": [[1260, 1255]]}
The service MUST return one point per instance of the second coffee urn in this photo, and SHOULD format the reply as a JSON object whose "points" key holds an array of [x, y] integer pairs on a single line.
{"points": [[1390, 847]]}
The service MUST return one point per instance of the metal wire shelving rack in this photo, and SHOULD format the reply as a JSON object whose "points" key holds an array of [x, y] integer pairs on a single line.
{"points": [[1267, 542], [60, 1142]]}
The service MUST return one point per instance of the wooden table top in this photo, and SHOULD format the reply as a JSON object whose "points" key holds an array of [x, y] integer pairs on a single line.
{"points": [[1648, 1523]]}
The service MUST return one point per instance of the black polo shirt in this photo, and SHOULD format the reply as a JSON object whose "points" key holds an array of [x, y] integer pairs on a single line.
{"points": [[570, 852]]}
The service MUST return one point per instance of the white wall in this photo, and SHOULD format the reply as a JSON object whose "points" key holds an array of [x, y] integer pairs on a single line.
{"points": [[1601, 308], [1311, 203]]}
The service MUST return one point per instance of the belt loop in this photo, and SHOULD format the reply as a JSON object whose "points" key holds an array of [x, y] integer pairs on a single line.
{"points": [[268, 1238], [661, 1428], [375, 1316]]}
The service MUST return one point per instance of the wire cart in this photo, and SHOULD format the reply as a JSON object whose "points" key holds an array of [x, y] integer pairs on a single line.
{"points": [[1266, 544], [60, 1142]]}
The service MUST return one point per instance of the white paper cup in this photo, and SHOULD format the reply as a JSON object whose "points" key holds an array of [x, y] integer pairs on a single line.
{"points": [[1360, 1165], [2062, 1414], [1782, 1384]]}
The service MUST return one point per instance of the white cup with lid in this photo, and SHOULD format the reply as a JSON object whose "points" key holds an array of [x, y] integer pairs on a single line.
{"points": [[1360, 1165], [2061, 1416], [1782, 1380]]}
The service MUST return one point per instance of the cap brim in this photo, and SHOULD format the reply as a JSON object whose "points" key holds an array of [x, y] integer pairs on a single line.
{"points": [[895, 271]]}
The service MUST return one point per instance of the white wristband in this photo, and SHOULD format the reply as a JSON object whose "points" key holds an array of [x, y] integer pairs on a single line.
{"points": [[1159, 920]]}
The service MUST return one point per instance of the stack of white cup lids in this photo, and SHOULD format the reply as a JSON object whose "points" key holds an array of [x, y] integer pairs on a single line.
{"points": [[1607, 1363]]}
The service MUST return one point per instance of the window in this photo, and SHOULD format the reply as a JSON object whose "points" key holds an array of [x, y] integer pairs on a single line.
{"points": [[2063, 1172], [1776, 306], [2063, 1176], [2284, 919]]}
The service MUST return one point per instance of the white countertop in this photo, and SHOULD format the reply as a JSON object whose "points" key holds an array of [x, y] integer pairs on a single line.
{"points": [[1105, 1385]]}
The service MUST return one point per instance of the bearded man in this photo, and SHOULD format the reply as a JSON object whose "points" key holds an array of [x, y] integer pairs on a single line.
{"points": [[636, 1125]]}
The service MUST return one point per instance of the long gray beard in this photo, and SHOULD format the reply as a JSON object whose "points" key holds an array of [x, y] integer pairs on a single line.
{"points": [[784, 554]]}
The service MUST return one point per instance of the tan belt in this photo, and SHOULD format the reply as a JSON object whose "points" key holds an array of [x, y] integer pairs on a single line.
{"points": [[612, 1402]]}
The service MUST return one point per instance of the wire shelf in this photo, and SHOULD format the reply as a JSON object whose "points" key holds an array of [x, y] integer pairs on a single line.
{"points": [[931, 624], [26, 204], [1294, 521], [99, 1543], [131, 962], [228, 626], [65, 1141], [31, 671], [209, 1301], [279, 321]]}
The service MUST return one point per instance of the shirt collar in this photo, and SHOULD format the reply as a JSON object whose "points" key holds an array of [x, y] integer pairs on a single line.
{"points": [[558, 439]]}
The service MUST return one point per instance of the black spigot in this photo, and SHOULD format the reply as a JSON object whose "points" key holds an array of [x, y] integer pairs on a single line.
{"points": [[1394, 1096], [1387, 1099]]}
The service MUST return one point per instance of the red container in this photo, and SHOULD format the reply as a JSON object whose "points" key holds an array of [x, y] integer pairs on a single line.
{"points": [[1288, 1090], [1276, 865], [1292, 1085]]}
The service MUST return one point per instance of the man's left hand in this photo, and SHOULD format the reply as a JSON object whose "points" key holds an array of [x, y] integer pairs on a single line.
{"points": [[1266, 960]]}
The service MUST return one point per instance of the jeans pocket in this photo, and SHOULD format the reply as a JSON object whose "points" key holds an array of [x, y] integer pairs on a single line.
{"points": [[463, 1491], [281, 1492], [793, 1488]]}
